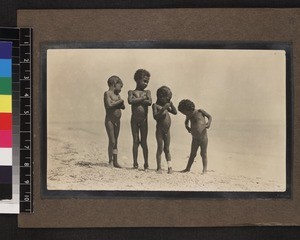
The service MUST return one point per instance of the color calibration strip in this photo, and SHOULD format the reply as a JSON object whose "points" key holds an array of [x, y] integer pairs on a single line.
{"points": [[13, 205], [6, 120]]}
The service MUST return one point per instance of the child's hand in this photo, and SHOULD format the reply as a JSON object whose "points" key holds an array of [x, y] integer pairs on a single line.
{"points": [[188, 129], [170, 104], [121, 104], [134, 95], [167, 105], [144, 97]]}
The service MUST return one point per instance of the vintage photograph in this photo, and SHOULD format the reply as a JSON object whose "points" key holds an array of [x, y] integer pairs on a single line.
{"points": [[196, 120]]}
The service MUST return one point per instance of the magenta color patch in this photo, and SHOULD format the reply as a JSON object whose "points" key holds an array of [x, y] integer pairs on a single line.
{"points": [[5, 138]]}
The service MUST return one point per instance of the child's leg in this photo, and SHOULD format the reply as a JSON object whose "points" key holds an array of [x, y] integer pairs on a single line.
{"points": [[111, 139], [135, 135], [115, 147], [194, 149], [144, 134], [203, 153], [159, 139], [167, 139]]}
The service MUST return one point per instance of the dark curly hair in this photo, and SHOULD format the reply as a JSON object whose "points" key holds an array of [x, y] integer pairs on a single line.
{"points": [[164, 91], [186, 105], [113, 80], [140, 73]]}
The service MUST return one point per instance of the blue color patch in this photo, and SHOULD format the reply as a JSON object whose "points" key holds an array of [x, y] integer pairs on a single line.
{"points": [[5, 50], [5, 68]]}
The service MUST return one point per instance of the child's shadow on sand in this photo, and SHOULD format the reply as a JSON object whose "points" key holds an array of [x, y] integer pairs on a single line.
{"points": [[91, 164], [88, 164]]}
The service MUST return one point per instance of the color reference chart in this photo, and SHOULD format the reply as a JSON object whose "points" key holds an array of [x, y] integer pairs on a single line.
{"points": [[21, 83], [6, 120]]}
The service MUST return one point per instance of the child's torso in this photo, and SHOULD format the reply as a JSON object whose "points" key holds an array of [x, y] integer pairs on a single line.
{"points": [[164, 122], [113, 114], [198, 124], [139, 110]]}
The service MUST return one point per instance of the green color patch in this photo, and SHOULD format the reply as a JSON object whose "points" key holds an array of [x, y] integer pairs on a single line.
{"points": [[5, 85]]}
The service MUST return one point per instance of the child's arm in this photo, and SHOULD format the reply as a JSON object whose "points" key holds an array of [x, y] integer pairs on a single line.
{"points": [[157, 114], [172, 109], [122, 106], [109, 103], [208, 117], [186, 123], [148, 100], [132, 99]]}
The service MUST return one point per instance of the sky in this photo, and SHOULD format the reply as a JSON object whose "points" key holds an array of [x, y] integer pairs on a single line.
{"points": [[234, 85]]}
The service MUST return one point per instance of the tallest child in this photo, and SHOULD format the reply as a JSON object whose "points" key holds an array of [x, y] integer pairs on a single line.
{"points": [[140, 100]]}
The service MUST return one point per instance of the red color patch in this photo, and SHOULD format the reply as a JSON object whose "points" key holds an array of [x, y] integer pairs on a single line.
{"points": [[5, 121]]}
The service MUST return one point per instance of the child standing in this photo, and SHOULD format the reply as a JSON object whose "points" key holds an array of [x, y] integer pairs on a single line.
{"points": [[113, 105], [197, 129], [161, 110], [140, 100]]}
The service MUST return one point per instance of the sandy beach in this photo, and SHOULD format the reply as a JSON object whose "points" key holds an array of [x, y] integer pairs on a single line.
{"points": [[77, 160]]}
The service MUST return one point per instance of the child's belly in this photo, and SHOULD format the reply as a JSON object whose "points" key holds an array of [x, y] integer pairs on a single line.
{"points": [[114, 116], [199, 131], [164, 123], [139, 112], [163, 126]]}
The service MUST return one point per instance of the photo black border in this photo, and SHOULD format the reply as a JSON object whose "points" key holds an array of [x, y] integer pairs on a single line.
{"points": [[286, 46]]}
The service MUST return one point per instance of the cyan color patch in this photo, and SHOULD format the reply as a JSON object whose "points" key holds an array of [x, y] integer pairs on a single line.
{"points": [[5, 68]]}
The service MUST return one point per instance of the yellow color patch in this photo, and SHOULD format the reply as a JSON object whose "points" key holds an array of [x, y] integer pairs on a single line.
{"points": [[5, 104]]}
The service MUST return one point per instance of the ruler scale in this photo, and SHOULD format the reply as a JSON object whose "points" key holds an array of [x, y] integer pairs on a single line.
{"points": [[21, 113], [25, 82]]}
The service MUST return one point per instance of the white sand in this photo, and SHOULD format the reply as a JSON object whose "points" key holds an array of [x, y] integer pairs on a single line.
{"points": [[77, 160]]}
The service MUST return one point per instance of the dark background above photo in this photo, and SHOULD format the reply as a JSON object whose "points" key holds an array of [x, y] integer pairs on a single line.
{"points": [[8, 223], [8, 8]]}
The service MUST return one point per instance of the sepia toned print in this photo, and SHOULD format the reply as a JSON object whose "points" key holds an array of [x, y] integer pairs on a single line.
{"points": [[244, 145]]}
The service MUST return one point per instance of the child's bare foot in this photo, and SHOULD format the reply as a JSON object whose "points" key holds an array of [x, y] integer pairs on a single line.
{"points": [[159, 171], [170, 170], [110, 164], [135, 166], [117, 165], [185, 171], [146, 169], [204, 172]]}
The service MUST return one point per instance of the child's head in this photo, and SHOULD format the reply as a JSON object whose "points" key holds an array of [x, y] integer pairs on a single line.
{"points": [[186, 107], [142, 77], [116, 83], [164, 94]]}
